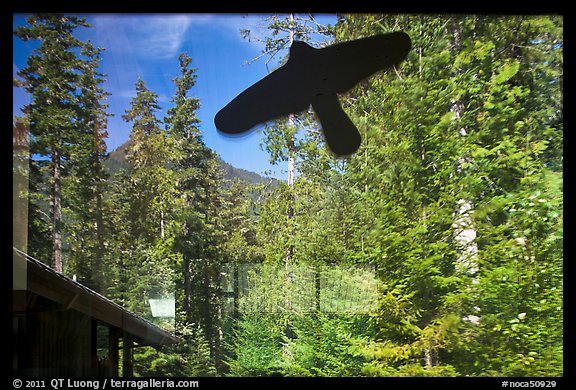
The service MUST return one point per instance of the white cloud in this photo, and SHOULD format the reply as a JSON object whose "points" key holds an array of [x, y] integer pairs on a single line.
{"points": [[162, 36], [156, 36]]}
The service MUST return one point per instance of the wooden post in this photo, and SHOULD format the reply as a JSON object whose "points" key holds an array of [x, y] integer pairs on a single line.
{"points": [[94, 348], [127, 361], [113, 349]]}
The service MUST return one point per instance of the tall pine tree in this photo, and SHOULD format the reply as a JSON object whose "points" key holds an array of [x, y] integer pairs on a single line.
{"points": [[86, 235], [196, 222], [54, 78]]}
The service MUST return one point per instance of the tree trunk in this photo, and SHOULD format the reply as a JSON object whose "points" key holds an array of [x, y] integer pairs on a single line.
{"points": [[463, 224], [186, 303], [186, 282], [291, 174], [291, 162], [288, 333], [97, 277], [57, 213], [428, 358]]}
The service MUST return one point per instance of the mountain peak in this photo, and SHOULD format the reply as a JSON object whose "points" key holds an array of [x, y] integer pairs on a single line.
{"points": [[116, 161]]}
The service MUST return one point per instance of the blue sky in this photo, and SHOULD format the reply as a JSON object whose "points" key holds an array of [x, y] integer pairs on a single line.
{"points": [[147, 46]]}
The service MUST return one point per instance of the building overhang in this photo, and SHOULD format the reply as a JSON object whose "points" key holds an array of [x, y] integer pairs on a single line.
{"points": [[64, 293]]}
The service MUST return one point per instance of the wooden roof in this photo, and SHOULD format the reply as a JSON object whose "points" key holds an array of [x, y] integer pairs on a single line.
{"points": [[43, 281]]}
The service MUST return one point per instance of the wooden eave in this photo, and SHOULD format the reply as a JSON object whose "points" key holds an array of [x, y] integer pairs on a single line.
{"points": [[67, 294]]}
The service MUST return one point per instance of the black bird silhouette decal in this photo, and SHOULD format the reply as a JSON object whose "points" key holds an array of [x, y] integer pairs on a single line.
{"points": [[315, 77]]}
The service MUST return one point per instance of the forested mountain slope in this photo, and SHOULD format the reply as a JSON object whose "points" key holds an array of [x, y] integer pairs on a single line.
{"points": [[116, 160]]}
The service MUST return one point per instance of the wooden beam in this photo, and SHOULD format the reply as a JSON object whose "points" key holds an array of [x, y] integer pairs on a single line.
{"points": [[127, 356], [94, 345], [113, 349]]}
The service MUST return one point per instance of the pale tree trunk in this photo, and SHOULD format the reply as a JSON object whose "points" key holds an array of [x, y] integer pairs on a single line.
{"points": [[428, 358], [57, 213], [286, 353], [291, 177], [463, 224], [291, 162], [465, 238]]}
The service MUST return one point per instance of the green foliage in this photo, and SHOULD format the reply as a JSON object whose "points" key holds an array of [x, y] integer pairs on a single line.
{"points": [[303, 322], [436, 250], [458, 126], [468, 132], [190, 358]]}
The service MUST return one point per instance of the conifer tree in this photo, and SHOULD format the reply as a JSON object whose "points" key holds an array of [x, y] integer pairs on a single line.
{"points": [[148, 155], [197, 225], [52, 76], [86, 235]]}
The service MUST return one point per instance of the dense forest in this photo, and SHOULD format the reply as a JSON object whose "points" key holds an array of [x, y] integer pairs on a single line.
{"points": [[435, 250]]}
